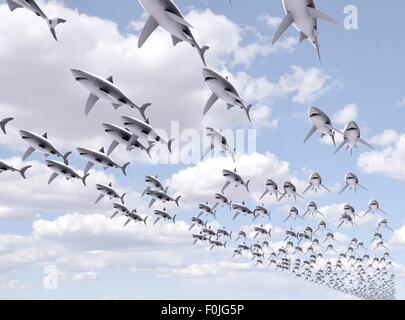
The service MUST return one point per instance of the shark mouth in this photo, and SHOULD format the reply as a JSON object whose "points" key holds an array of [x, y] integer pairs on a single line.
{"points": [[210, 79], [80, 78]]}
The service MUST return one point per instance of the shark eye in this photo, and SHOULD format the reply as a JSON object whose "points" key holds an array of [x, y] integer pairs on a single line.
{"points": [[158, 139]]}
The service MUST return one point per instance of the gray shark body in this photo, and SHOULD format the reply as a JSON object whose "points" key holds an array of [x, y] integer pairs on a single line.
{"points": [[109, 192], [222, 89], [41, 144], [63, 170], [5, 167], [104, 89], [164, 13], [32, 6], [303, 15], [124, 136], [99, 158]]}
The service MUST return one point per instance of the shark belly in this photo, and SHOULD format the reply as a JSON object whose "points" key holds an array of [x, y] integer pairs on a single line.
{"points": [[220, 92], [157, 12]]}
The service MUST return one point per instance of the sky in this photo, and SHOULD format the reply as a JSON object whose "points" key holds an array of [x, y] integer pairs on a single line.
{"points": [[43, 227]]}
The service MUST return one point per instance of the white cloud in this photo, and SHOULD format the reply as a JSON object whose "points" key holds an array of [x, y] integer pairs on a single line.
{"points": [[349, 112], [305, 85], [388, 161], [272, 22], [385, 139], [398, 238]]}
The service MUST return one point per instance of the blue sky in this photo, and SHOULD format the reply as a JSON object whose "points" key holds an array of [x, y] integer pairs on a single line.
{"points": [[360, 73]]}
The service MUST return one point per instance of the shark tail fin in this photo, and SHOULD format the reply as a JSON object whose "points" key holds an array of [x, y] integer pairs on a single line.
{"points": [[202, 52], [247, 110], [23, 171], [144, 220], [126, 223], [122, 198], [124, 168], [174, 218], [177, 201], [66, 157], [52, 25], [169, 145], [3, 124], [143, 108], [84, 179], [247, 185]]}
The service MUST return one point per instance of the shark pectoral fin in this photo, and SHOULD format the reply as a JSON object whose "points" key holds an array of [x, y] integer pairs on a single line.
{"points": [[340, 146], [229, 106], [151, 203], [178, 18], [12, 5], [307, 189], [112, 147], [366, 143], [156, 221], [176, 40], [363, 187], [101, 196], [148, 29], [132, 141], [27, 153], [210, 103], [314, 13], [226, 185], [91, 101], [310, 134], [303, 36], [208, 151], [326, 188], [287, 21], [53, 177], [126, 223], [300, 196], [264, 193], [116, 105], [344, 188], [88, 167]]}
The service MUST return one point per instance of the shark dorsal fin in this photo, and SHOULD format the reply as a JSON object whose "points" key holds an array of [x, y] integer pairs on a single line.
{"points": [[147, 121], [102, 150], [156, 176], [110, 78], [45, 135], [243, 202], [234, 170], [110, 185]]}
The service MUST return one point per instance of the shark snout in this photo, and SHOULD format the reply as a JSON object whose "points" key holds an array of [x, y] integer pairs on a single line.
{"points": [[313, 111], [78, 74]]}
